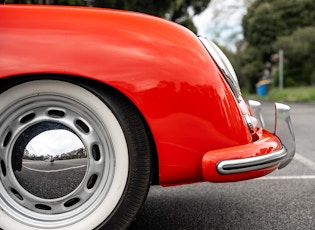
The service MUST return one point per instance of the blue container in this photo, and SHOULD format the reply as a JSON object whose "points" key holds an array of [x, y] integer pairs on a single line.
{"points": [[261, 90]]}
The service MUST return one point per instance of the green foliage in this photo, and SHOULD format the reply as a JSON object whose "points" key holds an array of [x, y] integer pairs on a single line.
{"points": [[180, 11], [273, 24], [152, 7], [174, 10], [299, 46], [291, 94], [52, 2], [250, 67], [268, 19], [299, 60], [262, 27]]}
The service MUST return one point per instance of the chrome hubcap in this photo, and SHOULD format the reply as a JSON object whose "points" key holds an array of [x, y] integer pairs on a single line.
{"points": [[33, 159]]}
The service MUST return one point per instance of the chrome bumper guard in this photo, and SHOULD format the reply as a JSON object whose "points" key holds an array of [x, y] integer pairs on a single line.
{"points": [[283, 130]]}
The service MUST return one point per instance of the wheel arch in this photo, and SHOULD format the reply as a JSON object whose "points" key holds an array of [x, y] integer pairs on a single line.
{"points": [[95, 87]]}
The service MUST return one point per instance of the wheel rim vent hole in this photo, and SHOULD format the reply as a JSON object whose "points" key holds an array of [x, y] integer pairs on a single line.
{"points": [[56, 113], [82, 126], [16, 194], [72, 202], [92, 181], [96, 152], [3, 169], [43, 207], [27, 118]]}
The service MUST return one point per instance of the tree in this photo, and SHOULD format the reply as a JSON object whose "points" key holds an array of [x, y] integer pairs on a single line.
{"points": [[299, 56], [268, 20], [249, 67], [180, 11], [48, 2]]}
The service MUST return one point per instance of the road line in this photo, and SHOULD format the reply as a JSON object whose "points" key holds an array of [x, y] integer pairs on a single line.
{"points": [[56, 170], [307, 162], [305, 177]]}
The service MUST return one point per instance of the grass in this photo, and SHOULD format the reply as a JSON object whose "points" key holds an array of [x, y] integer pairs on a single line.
{"points": [[294, 94]]}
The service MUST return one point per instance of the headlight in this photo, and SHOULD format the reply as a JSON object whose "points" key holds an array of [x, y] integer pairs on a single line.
{"points": [[224, 64]]}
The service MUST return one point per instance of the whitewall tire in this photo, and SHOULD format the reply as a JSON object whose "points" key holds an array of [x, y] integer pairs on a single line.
{"points": [[71, 157]]}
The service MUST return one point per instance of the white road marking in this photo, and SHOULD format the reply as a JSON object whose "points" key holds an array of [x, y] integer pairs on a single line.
{"points": [[304, 177], [56, 170], [307, 162]]}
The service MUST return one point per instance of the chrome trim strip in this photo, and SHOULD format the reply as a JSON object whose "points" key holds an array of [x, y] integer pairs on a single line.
{"points": [[255, 108], [283, 130], [252, 163], [224, 65], [249, 123]]}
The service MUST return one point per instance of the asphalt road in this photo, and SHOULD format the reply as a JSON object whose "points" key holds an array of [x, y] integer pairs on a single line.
{"points": [[51, 180], [284, 199]]}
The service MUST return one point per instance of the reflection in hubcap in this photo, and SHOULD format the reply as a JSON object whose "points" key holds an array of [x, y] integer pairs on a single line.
{"points": [[49, 160]]}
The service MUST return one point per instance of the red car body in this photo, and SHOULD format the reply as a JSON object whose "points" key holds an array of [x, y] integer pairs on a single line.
{"points": [[164, 70]]}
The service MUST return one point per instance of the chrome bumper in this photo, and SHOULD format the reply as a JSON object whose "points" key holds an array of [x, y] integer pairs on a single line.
{"points": [[283, 130]]}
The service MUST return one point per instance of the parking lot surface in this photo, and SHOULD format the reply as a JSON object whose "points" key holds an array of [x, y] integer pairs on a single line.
{"points": [[282, 200]]}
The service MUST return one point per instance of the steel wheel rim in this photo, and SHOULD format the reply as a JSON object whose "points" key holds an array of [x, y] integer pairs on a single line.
{"points": [[86, 198]]}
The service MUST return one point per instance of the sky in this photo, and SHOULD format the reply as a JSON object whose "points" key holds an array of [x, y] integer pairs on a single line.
{"points": [[221, 21], [54, 142]]}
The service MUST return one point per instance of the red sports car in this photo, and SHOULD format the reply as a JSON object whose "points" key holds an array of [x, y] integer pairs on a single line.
{"points": [[120, 101]]}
